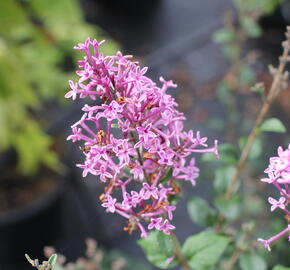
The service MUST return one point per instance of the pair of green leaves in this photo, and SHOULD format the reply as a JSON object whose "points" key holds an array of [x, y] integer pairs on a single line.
{"points": [[202, 214], [201, 251]]}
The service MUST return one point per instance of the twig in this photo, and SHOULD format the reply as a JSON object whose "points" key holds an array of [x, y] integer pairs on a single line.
{"points": [[278, 83], [179, 256], [233, 260]]}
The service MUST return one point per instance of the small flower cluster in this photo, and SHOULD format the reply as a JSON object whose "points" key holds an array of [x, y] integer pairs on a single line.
{"points": [[134, 140], [279, 176]]}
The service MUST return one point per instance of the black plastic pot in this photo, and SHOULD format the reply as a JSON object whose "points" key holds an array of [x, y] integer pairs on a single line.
{"points": [[28, 229]]}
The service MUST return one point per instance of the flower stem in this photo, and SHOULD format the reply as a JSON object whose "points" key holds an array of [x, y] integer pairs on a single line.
{"points": [[179, 256]]}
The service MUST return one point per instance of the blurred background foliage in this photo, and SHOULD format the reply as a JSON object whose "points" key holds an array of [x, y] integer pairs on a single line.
{"points": [[36, 61]]}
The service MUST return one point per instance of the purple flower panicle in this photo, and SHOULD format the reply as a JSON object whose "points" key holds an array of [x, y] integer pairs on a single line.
{"points": [[135, 136], [279, 176]]}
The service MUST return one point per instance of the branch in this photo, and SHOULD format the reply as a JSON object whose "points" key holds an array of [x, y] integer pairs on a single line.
{"points": [[279, 83], [179, 256]]}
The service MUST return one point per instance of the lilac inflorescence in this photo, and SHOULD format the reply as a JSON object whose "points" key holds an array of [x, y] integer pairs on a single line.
{"points": [[134, 140], [279, 176]]}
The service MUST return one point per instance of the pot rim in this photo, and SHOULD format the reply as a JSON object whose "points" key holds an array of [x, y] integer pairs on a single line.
{"points": [[34, 207]]}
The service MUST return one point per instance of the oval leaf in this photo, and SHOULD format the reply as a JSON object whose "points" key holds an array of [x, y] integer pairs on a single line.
{"points": [[222, 177], [273, 125], [223, 35], [228, 154], [203, 250], [230, 208], [252, 261], [200, 212], [158, 248]]}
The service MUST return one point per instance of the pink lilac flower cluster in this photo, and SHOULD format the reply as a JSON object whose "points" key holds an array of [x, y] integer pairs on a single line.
{"points": [[134, 140], [279, 176]]}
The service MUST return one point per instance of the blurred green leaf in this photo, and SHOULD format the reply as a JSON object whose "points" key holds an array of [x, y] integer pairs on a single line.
{"points": [[217, 124], [203, 250], [69, 27], [281, 267], [251, 27], [36, 40], [33, 147], [158, 247], [253, 205], [174, 199], [247, 76], [222, 178], [252, 261], [228, 154], [200, 212], [29, 259], [223, 93], [52, 259], [230, 208], [13, 21], [273, 125], [231, 51], [256, 149], [223, 35]]}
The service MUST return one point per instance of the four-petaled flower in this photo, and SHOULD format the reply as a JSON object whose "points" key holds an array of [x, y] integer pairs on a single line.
{"points": [[110, 204], [166, 227], [276, 204], [155, 223], [150, 191]]}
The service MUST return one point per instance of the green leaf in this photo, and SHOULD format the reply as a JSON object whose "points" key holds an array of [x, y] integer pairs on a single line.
{"points": [[208, 157], [203, 250], [252, 261], [222, 178], [256, 149], [247, 76], [200, 212], [231, 51], [223, 93], [253, 205], [259, 88], [33, 148], [251, 27], [281, 267], [223, 35], [174, 199], [29, 259], [228, 154], [158, 247], [52, 259], [273, 125], [218, 125], [230, 208]]}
